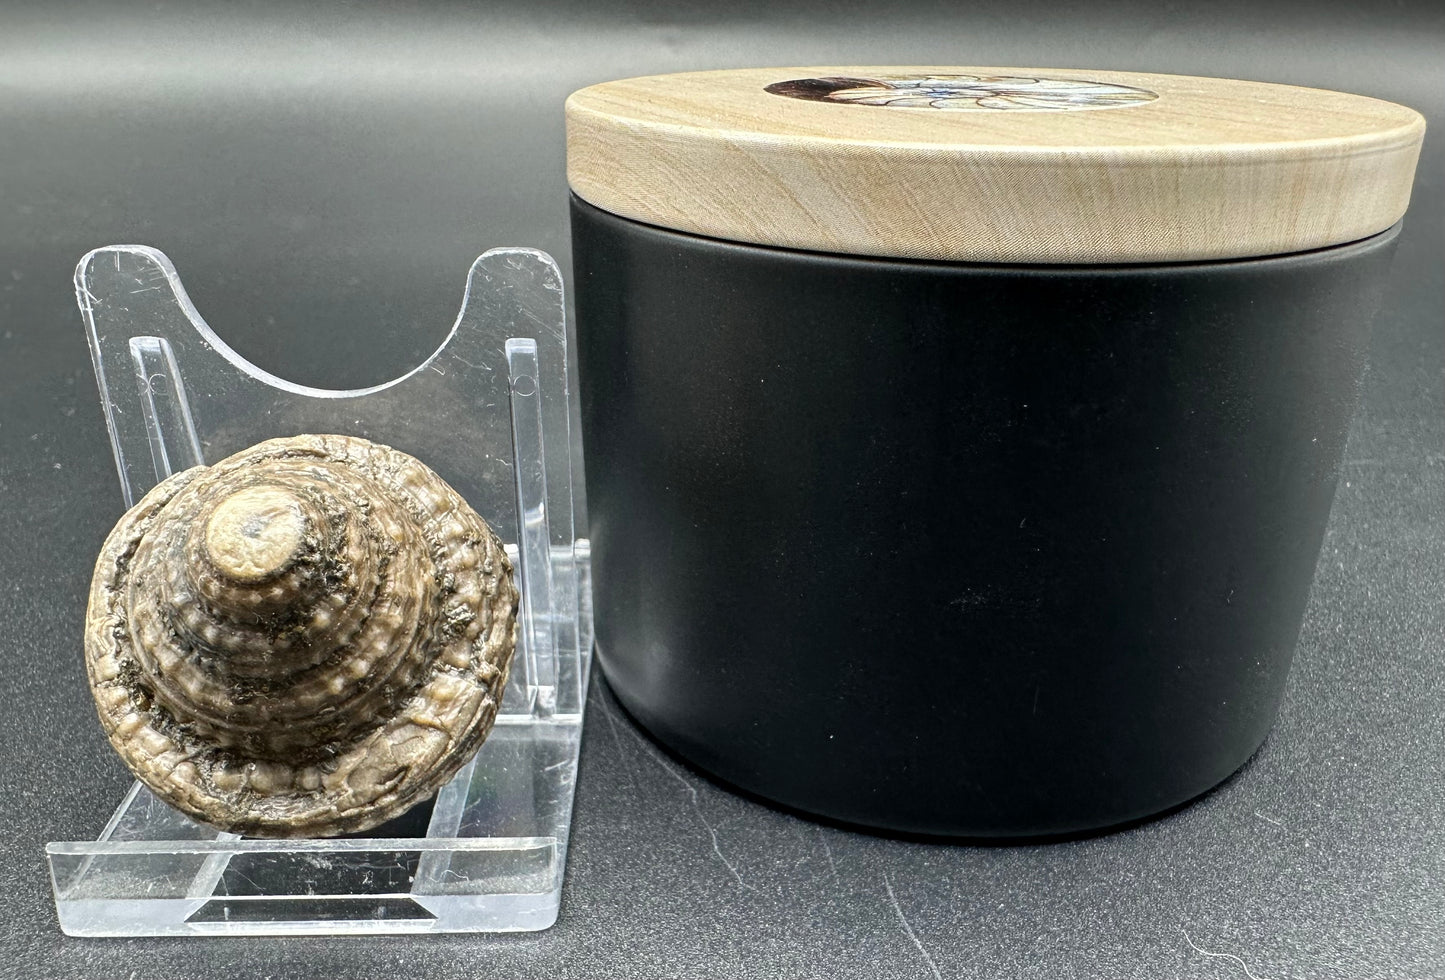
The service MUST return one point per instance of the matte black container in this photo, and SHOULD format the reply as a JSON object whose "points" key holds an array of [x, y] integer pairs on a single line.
{"points": [[954, 549], [951, 547]]}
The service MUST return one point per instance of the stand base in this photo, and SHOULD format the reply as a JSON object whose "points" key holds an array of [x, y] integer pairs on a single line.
{"points": [[156, 872]]}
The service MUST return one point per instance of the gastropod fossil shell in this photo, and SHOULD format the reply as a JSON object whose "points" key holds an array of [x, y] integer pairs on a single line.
{"points": [[305, 639]]}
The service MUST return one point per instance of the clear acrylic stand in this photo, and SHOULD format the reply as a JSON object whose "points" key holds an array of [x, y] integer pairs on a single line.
{"points": [[489, 411]]}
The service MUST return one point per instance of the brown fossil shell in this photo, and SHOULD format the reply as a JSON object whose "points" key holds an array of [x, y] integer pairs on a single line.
{"points": [[305, 639]]}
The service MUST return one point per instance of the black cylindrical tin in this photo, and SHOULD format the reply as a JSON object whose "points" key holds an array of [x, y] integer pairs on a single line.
{"points": [[955, 548]]}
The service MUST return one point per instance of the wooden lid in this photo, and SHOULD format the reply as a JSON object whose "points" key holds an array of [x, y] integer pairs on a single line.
{"points": [[994, 164]]}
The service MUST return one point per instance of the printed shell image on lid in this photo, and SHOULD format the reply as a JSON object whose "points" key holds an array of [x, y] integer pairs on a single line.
{"points": [[994, 164]]}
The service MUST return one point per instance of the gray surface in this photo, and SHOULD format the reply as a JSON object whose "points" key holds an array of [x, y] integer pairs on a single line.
{"points": [[322, 180]]}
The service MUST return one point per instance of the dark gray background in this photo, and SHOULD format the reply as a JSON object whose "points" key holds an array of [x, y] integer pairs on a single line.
{"points": [[322, 175]]}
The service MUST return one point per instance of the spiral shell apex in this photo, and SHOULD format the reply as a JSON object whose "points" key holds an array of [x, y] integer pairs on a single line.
{"points": [[307, 638]]}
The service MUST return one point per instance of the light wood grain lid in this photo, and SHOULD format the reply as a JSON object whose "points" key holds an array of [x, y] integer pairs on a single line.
{"points": [[994, 164]]}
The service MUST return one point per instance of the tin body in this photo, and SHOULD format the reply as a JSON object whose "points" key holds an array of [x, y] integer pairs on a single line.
{"points": [[959, 549]]}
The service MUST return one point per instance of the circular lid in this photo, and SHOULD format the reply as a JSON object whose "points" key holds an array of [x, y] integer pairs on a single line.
{"points": [[994, 164]]}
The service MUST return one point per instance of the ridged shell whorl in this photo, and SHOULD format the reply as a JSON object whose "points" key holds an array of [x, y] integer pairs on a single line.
{"points": [[305, 639]]}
